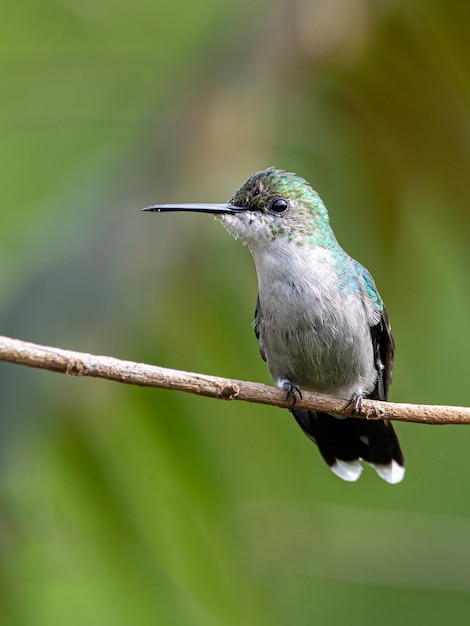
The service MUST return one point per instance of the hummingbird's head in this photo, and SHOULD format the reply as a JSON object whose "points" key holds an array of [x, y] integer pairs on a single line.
{"points": [[276, 204], [271, 205]]}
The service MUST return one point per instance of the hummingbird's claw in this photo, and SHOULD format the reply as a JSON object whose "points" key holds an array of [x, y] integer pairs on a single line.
{"points": [[356, 402], [292, 391]]}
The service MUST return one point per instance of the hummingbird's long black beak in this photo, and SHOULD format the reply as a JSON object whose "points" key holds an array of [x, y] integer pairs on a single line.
{"points": [[197, 208]]}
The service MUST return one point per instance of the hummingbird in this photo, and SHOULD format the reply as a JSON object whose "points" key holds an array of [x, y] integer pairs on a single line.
{"points": [[319, 320]]}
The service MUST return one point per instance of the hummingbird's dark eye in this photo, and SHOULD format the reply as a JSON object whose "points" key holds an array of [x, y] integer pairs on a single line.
{"points": [[279, 205]]}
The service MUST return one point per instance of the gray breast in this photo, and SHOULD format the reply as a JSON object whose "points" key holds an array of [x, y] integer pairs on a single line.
{"points": [[312, 333]]}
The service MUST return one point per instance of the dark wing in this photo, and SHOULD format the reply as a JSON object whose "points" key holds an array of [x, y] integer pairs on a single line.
{"points": [[381, 332], [384, 351], [256, 326]]}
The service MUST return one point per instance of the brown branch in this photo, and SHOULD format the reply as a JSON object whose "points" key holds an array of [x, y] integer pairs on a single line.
{"points": [[129, 372]]}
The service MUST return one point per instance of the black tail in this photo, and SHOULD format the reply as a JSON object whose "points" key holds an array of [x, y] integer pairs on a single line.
{"points": [[344, 442]]}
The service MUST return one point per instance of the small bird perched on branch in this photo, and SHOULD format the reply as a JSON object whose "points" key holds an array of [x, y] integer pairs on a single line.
{"points": [[320, 321]]}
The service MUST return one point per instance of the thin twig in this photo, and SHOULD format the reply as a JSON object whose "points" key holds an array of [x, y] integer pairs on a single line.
{"points": [[132, 373]]}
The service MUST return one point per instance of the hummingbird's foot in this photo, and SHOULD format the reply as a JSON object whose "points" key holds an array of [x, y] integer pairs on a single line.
{"points": [[292, 391], [356, 402]]}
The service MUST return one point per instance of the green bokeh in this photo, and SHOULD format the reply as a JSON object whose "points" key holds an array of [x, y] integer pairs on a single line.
{"points": [[121, 505]]}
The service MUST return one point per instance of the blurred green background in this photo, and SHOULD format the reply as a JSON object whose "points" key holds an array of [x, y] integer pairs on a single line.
{"points": [[122, 505]]}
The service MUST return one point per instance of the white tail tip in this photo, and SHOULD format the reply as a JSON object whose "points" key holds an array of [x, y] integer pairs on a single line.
{"points": [[347, 470], [392, 473], [351, 470]]}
